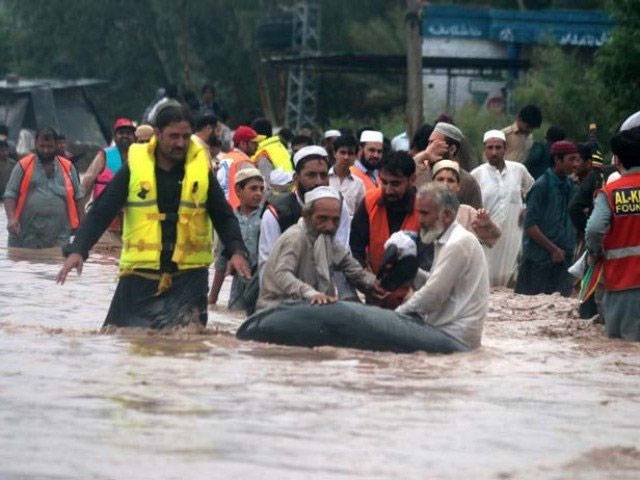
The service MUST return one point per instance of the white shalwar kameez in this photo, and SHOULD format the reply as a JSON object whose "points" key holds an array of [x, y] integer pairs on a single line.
{"points": [[502, 195]]}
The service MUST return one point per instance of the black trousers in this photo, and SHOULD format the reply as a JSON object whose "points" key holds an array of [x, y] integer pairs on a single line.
{"points": [[535, 278], [135, 303]]}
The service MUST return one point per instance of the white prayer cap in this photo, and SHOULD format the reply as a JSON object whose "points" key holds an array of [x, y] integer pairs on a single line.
{"points": [[445, 165], [631, 122], [310, 151], [320, 192], [280, 178], [332, 133], [449, 131], [246, 173], [499, 134], [371, 136]]}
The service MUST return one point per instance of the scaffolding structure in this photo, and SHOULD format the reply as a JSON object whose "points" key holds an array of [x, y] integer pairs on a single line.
{"points": [[302, 85]]}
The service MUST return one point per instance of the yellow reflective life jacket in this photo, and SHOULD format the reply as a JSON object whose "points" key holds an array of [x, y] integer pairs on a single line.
{"points": [[142, 235], [273, 148]]}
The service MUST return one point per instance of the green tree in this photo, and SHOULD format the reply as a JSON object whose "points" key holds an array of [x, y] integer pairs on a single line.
{"points": [[618, 62]]}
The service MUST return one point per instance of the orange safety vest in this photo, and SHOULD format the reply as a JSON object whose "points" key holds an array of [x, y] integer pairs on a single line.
{"points": [[379, 227], [239, 158], [369, 183], [28, 164], [621, 243]]}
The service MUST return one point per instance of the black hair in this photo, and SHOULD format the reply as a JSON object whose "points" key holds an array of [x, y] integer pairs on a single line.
{"points": [[555, 134], [398, 163], [245, 182], [343, 141], [585, 150], [172, 114], [61, 136], [531, 115], [171, 91], [4, 130], [262, 126], [205, 121], [47, 133], [302, 139], [420, 139], [626, 146], [286, 134], [208, 87], [305, 160]]}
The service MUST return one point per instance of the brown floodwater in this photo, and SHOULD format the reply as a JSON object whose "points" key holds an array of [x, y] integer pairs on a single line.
{"points": [[547, 396]]}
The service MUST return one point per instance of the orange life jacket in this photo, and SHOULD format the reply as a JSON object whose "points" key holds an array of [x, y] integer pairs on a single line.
{"points": [[379, 227], [28, 164], [369, 183], [622, 242], [239, 159]]}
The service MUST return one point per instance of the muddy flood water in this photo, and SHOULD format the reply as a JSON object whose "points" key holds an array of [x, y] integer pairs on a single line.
{"points": [[547, 396]]}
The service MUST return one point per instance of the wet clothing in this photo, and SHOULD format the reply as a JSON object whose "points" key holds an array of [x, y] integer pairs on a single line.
{"points": [[135, 303], [454, 296], [518, 143], [361, 228], [621, 308], [548, 208], [240, 286], [502, 195], [301, 265], [290, 206], [44, 220], [6, 167], [188, 292]]}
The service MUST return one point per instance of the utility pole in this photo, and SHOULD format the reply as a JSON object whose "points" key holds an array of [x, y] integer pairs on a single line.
{"points": [[302, 86], [414, 110]]}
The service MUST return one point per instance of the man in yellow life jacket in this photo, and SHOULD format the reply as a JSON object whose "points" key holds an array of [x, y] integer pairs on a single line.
{"points": [[271, 153], [171, 200]]}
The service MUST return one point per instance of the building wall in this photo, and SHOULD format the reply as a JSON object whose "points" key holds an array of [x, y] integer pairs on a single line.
{"points": [[443, 93]]}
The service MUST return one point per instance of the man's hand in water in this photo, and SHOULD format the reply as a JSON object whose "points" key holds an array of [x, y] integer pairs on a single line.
{"points": [[238, 264], [73, 261], [322, 299]]}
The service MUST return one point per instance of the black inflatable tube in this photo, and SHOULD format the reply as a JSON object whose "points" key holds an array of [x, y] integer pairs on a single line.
{"points": [[348, 325]]}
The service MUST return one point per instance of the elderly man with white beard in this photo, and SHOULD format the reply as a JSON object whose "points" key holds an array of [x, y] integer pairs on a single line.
{"points": [[306, 255], [454, 296]]}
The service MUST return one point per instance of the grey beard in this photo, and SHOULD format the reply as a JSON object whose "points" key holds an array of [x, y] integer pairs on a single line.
{"points": [[428, 236]]}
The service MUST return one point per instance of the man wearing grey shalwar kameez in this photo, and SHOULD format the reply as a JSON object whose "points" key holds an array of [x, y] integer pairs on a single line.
{"points": [[305, 256]]}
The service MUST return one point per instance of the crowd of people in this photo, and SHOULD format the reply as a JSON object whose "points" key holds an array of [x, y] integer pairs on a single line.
{"points": [[295, 217]]}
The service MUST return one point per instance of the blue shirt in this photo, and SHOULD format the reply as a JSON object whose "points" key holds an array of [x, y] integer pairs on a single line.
{"points": [[548, 208]]}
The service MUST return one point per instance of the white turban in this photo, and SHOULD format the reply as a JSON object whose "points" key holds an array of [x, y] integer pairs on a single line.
{"points": [[499, 134], [280, 178], [310, 151], [320, 192], [332, 133], [371, 136], [631, 122]]}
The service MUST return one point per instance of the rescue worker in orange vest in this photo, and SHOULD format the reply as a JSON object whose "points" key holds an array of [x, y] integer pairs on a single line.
{"points": [[384, 211], [369, 157], [613, 239], [245, 143], [172, 202], [42, 197], [109, 160]]}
